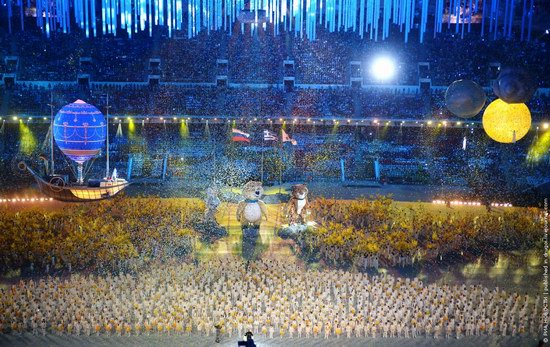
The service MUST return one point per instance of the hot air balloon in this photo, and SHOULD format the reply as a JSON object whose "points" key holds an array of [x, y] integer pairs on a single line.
{"points": [[80, 131]]}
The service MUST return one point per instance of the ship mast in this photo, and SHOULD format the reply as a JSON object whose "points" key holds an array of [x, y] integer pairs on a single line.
{"points": [[107, 166], [52, 170]]}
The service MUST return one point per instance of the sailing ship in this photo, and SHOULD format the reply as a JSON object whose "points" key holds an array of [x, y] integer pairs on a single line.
{"points": [[80, 131]]}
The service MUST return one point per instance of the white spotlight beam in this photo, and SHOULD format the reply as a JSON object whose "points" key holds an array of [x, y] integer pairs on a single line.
{"points": [[383, 69]]}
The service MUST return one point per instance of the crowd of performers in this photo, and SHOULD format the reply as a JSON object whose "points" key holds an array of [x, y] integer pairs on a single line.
{"points": [[272, 297]]}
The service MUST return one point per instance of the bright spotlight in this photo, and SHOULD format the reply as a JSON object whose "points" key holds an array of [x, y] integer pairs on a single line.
{"points": [[383, 68]]}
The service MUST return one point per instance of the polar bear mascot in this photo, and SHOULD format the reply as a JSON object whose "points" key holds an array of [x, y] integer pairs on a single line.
{"points": [[251, 210]]}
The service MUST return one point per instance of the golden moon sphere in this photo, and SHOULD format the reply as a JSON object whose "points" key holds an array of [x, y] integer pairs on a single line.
{"points": [[506, 123]]}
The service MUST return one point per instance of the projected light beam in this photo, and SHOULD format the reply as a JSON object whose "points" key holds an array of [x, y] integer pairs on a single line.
{"points": [[298, 16], [27, 139]]}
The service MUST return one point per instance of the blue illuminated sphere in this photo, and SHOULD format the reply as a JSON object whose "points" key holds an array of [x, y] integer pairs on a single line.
{"points": [[80, 130]]}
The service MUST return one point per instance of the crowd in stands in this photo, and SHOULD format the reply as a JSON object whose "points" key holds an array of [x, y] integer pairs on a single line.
{"points": [[114, 60], [259, 59], [173, 100], [253, 59], [190, 60], [40, 60], [325, 61]]}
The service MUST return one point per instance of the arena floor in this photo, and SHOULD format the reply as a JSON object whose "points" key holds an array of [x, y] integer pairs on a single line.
{"points": [[199, 341], [511, 271], [337, 190], [508, 271]]}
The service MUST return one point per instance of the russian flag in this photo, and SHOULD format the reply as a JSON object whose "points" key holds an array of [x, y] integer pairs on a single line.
{"points": [[240, 136]]}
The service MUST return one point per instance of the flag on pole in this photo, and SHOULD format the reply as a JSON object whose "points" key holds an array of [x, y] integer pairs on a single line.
{"points": [[269, 136], [240, 136], [287, 138]]}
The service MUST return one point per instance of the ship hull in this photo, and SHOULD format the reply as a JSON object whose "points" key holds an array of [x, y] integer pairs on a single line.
{"points": [[68, 193]]}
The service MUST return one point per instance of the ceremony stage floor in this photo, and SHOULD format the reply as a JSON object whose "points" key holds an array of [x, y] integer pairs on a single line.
{"points": [[514, 271], [195, 340], [208, 341], [346, 190]]}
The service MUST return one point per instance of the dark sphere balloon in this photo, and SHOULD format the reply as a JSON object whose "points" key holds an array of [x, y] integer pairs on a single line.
{"points": [[514, 85], [465, 98], [79, 131]]}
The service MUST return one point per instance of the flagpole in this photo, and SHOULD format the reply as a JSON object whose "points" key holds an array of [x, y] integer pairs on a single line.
{"points": [[214, 153], [281, 163], [262, 167]]}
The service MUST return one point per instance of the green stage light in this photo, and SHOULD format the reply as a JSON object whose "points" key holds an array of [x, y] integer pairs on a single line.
{"points": [[184, 130], [26, 139]]}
